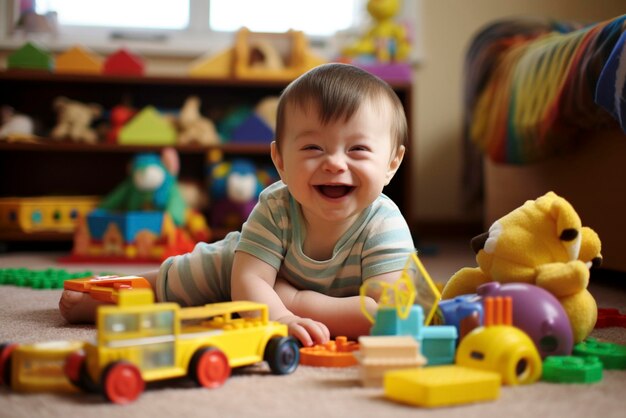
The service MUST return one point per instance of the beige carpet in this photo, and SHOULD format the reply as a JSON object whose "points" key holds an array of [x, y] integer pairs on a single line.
{"points": [[28, 315]]}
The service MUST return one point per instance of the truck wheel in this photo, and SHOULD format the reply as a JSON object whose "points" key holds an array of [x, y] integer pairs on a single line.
{"points": [[122, 382], [282, 355], [209, 368]]}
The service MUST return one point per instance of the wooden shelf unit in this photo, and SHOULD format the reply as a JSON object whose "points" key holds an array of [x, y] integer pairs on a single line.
{"points": [[65, 168]]}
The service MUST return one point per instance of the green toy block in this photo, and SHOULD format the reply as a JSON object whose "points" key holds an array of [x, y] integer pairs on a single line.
{"points": [[571, 369], [612, 356], [148, 128], [31, 57], [39, 279]]}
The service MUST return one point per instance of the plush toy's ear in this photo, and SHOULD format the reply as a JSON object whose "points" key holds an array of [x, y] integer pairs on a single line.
{"points": [[568, 226]]}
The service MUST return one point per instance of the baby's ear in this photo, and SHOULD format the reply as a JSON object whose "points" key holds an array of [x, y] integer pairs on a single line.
{"points": [[394, 164], [277, 159]]}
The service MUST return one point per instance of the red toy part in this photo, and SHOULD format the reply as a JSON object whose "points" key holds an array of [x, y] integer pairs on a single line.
{"points": [[123, 62], [105, 288], [610, 317], [336, 353]]}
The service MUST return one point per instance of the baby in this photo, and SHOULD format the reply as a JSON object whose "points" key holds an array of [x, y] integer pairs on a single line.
{"points": [[320, 232]]}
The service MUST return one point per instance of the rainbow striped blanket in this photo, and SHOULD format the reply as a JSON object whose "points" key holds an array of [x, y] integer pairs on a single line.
{"points": [[533, 89]]}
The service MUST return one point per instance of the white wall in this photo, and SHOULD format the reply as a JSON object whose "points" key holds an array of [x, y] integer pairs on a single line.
{"points": [[447, 27]]}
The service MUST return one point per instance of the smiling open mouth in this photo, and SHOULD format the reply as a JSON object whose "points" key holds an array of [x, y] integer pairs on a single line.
{"points": [[334, 191]]}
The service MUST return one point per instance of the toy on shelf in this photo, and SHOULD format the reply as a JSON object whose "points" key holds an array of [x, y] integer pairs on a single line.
{"points": [[124, 63], [500, 347], [260, 56], [15, 127], [106, 288], [384, 49], [259, 126], [74, 120], [441, 386], [193, 127], [335, 353], [543, 243], [144, 218], [148, 127], [139, 341], [398, 315], [380, 354], [570, 369], [31, 57], [44, 214], [234, 188], [119, 116], [78, 60]]}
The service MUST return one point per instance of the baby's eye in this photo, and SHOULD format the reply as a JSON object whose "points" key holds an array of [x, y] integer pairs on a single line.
{"points": [[359, 148], [311, 147]]}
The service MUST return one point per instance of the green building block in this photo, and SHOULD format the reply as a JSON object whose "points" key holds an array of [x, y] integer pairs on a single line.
{"points": [[31, 57], [39, 279], [571, 369], [612, 356]]}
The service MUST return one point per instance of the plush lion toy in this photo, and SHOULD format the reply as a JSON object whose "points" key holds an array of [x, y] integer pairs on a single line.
{"points": [[543, 243]]}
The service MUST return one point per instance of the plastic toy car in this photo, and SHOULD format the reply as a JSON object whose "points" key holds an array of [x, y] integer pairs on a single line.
{"points": [[139, 341]]}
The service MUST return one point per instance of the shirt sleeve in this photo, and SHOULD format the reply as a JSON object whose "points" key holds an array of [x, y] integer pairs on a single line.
{"points": [[263, 235], [389, 243]]}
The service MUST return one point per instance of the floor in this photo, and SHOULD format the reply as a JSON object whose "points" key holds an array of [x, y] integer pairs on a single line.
{"points": [[441, 258]]}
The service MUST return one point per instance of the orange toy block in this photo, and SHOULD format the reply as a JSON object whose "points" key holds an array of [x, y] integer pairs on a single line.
{"points": [[337, 353], [106, 288], [78, 60]]}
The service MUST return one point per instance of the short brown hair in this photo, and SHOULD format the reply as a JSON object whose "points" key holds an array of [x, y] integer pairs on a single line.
{"points": [[338, 90]]}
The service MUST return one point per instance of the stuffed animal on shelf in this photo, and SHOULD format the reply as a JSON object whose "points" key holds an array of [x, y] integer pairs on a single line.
{"points": [[543, 243], [386, 40], [74, 120], [15, 126], [193, 127], [151, 185], [234, 188]]}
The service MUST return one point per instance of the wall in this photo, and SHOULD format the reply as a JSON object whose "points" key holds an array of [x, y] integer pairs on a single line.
{"points": [[447, 27]]}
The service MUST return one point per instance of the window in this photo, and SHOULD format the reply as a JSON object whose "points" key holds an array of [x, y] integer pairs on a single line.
{"points": [[184, 27]]}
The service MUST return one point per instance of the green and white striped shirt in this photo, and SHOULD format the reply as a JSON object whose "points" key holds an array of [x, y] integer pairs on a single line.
{"points": [[378, 242]]}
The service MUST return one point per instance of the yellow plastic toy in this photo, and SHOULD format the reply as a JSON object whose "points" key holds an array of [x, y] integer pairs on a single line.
{"points": [[148, 127], [260, 56], [441, 386], [139, 341], [500, 347], [543, 243], [386, 40], [414, 286]]}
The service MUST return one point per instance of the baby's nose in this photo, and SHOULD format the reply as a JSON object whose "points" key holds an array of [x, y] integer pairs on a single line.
{"points": [[335, 162]]}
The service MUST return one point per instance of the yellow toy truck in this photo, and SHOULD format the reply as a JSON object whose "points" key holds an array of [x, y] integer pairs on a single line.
{"points": [[139, 341]]}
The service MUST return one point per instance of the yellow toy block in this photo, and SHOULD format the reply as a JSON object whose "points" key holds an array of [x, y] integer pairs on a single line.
{"points": [[214, 66], [148, 127], [39, 214], [441, 386], [78, 60]]}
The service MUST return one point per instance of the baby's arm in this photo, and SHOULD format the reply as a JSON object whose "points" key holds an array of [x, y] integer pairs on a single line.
{"points": [[342, 315], [253, 279]]}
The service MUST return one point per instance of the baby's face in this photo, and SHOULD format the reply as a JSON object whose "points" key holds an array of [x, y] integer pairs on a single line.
{"points": [[336, 170]]}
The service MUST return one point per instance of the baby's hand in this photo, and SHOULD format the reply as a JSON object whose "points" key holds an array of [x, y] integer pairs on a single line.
{"points": [[77, 307], [308, 331]]}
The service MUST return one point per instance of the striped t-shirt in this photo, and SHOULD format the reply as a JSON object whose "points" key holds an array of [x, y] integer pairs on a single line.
{"points": [[378, 242]]}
